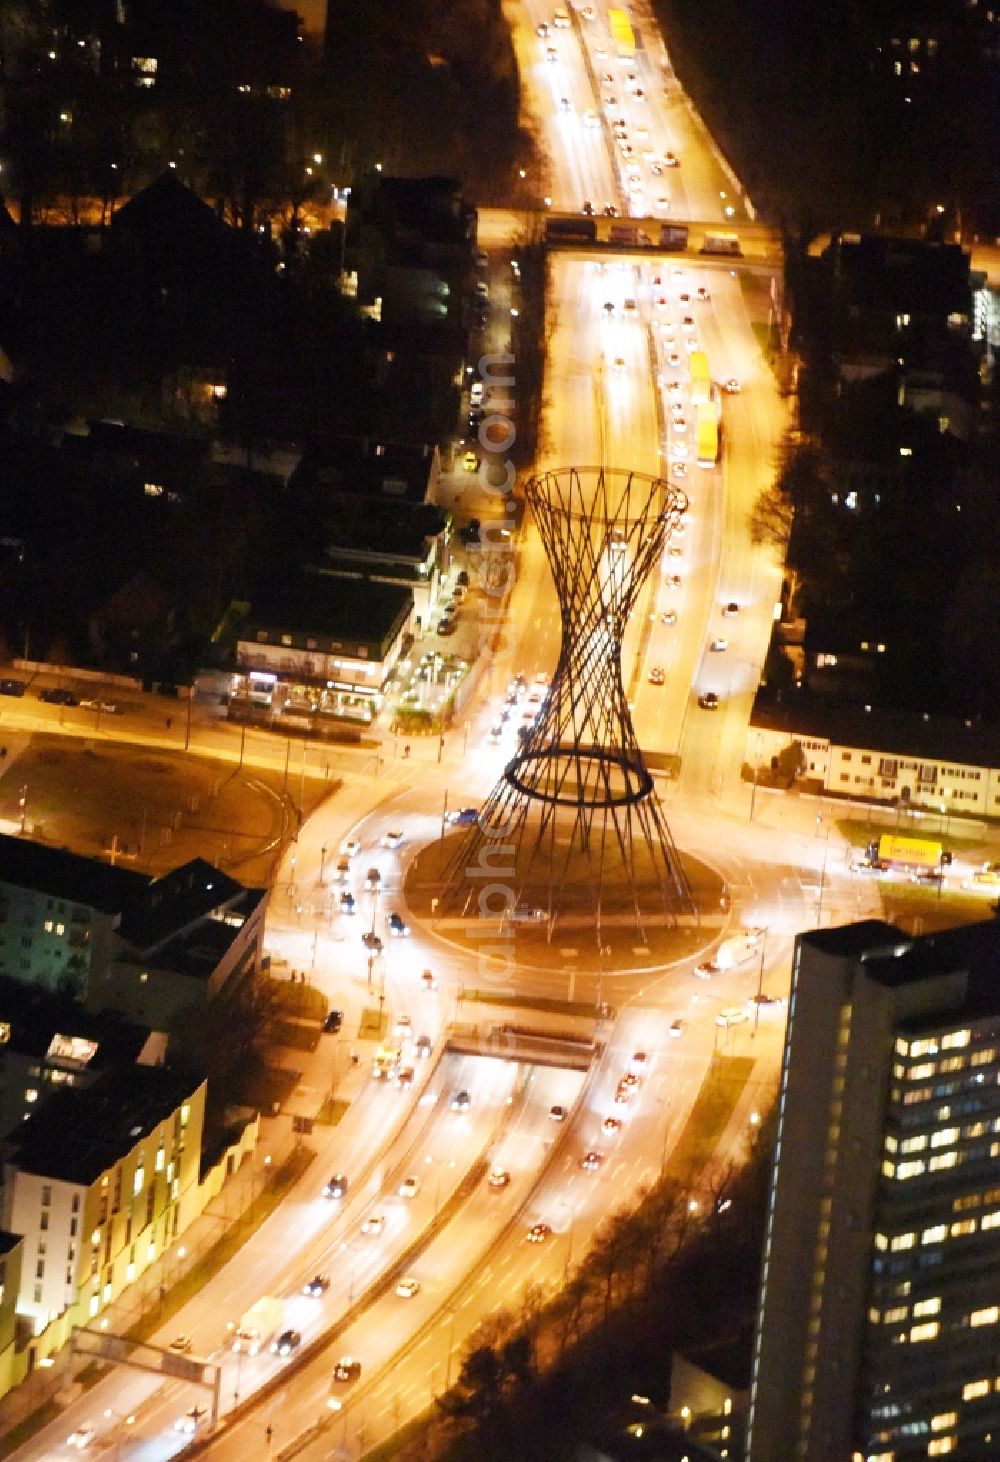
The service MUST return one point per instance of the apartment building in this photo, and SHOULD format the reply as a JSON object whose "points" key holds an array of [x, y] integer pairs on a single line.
{"points": [[879, 1319], [99, 1181]]}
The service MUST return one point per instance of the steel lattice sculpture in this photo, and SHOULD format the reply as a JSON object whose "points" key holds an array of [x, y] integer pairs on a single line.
{"points": [[575, 808]]}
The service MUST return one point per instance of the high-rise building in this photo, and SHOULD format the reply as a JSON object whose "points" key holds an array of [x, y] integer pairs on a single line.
{"points": [[878, 1333]]}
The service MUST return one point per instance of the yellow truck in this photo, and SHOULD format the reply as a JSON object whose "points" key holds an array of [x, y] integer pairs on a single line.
{"points": [[909, 852]]}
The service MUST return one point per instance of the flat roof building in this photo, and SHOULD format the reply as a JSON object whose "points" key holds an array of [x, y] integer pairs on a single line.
{"points": [[879, 1317]]}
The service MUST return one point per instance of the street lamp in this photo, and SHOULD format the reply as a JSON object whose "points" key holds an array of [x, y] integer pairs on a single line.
{"points": [[322, 861]]}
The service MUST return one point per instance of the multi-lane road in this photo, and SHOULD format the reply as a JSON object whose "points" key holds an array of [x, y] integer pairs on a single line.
{"points": [[612, 398]]}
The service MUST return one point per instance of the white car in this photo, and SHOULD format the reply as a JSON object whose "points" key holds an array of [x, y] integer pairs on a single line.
{"points": [[191, 1420], [717, 646], [409, 1187], [393, 838], [733, 1015], [407, 1288], [82, 1437], [350, 847], [374, 1226]]}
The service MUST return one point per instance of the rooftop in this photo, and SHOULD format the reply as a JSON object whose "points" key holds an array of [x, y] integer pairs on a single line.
{"points": [[106, 1121], [37, 1017], [364, 467], [67, 876], [892, 957], [902, 733], [170, 905], [345, 611]]}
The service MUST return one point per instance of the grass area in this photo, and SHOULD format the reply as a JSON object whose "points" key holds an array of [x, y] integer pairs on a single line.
{"points": [[859, 832], [304, 1001], [295, 1033], [26, 1428], [164, 807], [920, 909], [374, 1024], [527, 1002], [270, 1085], [407, 1433], [194, 1280], [332, 1112], [714, 1106]]}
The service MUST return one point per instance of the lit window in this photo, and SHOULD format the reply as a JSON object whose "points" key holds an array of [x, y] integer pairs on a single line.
{"points": [[881, 1242], [903, 1241], [160, 1159], [48, 926], [914, 1144], [964, 1226], [911, 1169], [60, 928], [989, 1316], [940, 1447], [989, 1220], [138, 1180], [926, 1331], [972, 1389], [927, 1307], [943, 1420], [31, 1094], [185, 1114], [945, 1137], [955, 1038], [919, 1073], [893, 1316], [943, 1160]]}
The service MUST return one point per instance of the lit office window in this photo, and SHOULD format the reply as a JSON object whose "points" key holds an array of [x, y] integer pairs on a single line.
{"points": [[927, 1331], [989, 1316]]}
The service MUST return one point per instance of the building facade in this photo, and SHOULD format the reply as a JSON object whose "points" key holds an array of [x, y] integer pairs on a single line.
{"points": [[877, 1334], [97, 1209]]}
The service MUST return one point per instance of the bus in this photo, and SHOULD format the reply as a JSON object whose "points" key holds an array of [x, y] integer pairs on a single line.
{"points": [[570, 230], [707, 434], [701, 380], [716, 242], [622, 34], [673, 235]]}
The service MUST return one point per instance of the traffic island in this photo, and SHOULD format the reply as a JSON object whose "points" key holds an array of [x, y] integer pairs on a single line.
{"points": [[506, 920]]}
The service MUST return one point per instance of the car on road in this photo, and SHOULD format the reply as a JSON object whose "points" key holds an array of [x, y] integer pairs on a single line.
{"points": [[12, 687], [525, 914], [319, 1284], [619, 364], [427, 980], [706, 969], [407, 1288], [656, 676], [669, 616], [347, 902], [717, 646], [538, 1233], [564, 105], [672, 581], [611, 1125], [286, 1343], [422, 1046], [678, 469], [461, 1101], [405, 1077], [110, 708], [557, 1113], [542, 29], [732, 1015], [702, 294], [393, 838], [398, 927], [191, 1420], [181, 1344], [374, 1225], [730, 610], [670, 161], [470, 461], [591, 1161], [677, 1028], [336, 1187], [763, 999], [624, 1094], [333, 1022], [351, 847], [409, 1187], [610, 211], [57, 695], [81, 1438], [732, 387], [461, 816], [403, 1025], [346, 1369], [498, 1178], [373, 879], [551, 54], [709, 701], [372, 942]]}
